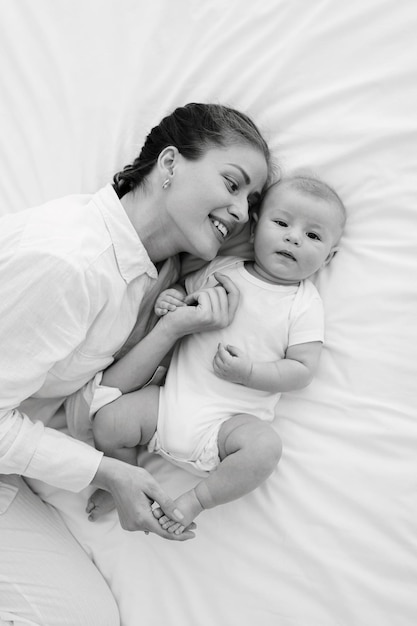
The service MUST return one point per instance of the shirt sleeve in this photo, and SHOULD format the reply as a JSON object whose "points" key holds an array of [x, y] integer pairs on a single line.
{"points": [[44, 312], [31, 449], [307, 318], [197, 279], [204, 277]]}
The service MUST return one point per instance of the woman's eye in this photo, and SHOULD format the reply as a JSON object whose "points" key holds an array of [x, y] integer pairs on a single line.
{"points": [[313, 236], [232, 185]]}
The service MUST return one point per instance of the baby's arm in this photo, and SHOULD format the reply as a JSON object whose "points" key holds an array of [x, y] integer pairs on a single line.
{"points": [[174, 297], [295, 371]]}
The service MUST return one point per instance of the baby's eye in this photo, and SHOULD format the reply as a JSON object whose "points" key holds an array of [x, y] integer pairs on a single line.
{"points": [[232, 184], [281, 223], [313, 236]]}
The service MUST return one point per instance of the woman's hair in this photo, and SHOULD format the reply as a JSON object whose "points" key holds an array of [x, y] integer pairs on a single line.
{"points": [[191, 129]]}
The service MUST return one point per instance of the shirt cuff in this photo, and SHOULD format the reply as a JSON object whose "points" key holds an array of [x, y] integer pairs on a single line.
{"points": [[64, 462], [48, 455]]}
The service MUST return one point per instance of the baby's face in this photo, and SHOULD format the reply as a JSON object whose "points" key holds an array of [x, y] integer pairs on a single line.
{"points": [[296, 234]]}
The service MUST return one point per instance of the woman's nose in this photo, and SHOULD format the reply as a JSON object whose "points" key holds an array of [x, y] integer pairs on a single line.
{"points": [[240, 209]]}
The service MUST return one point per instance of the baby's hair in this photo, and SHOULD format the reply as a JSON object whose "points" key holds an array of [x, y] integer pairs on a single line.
{"points": [[312, 185], [192, 129]]}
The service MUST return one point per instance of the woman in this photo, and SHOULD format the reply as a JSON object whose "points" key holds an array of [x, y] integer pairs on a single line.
{"points": [[78, 276]]}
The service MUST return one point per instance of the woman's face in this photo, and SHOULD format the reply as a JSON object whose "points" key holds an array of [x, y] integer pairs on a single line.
{"points": [[209, 198]]}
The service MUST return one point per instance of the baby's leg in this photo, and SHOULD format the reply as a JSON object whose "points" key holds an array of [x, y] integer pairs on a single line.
{"points": [[121, 426], [249, 450], [118, 429]]}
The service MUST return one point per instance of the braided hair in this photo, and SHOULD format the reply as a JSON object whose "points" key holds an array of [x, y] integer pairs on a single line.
{"points": [[191, 129]]}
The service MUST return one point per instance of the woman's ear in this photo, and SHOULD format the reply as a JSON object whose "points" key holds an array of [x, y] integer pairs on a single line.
{"points": [[167, 160]]}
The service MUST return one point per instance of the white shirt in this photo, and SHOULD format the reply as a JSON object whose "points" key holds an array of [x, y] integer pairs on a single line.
{"points": [[73, 273]]}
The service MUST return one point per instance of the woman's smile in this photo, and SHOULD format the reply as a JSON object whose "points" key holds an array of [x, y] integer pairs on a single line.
{"points": [[220, 227]]}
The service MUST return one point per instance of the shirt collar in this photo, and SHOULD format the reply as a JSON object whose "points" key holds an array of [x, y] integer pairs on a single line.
{"points": [[131, 255]]}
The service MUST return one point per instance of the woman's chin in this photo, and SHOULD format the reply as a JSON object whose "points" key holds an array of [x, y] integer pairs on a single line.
{"points": [[208, 253]]}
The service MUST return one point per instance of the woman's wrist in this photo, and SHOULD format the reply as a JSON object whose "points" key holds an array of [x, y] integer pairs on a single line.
{"points": [[172, 326], [106, 472]]}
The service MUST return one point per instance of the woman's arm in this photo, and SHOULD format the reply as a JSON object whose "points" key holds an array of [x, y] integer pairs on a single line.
{"points": [[38, 329], [213, 308], [295, 371]]}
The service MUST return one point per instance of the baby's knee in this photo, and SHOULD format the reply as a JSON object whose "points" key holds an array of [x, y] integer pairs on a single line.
{"points": [[268, 446]]}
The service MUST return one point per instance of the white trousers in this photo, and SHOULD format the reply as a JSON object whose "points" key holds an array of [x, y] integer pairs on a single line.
{"points": [[46, 578]]}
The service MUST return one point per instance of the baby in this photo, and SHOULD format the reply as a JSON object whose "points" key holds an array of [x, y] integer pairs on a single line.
{"points": [[213, 414]]}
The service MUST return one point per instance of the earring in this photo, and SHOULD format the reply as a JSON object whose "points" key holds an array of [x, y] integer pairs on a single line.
{"points": [[166, 183]]}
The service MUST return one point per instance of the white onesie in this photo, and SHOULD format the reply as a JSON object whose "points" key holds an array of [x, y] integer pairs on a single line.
{"points": [[194, 402]]}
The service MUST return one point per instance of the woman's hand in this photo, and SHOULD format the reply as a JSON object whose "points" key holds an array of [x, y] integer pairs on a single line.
{"points": [[134, 490], [208, 309]]}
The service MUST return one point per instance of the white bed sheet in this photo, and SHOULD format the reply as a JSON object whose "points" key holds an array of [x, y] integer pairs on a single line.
{"points": [[330, 539]]}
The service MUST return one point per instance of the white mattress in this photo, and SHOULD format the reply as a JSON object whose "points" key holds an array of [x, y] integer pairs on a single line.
{"points": [[330, 539]]}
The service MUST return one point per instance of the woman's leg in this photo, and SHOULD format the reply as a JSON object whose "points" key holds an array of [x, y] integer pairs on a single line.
{"points": [[46, 578], [249, 450]]}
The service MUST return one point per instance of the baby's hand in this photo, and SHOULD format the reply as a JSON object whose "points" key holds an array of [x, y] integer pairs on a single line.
{"points": [[169, 300], [232, 364]]}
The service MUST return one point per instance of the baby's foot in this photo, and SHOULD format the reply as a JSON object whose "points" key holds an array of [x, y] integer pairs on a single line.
{"points": [[189, 506], [99, 503]]}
